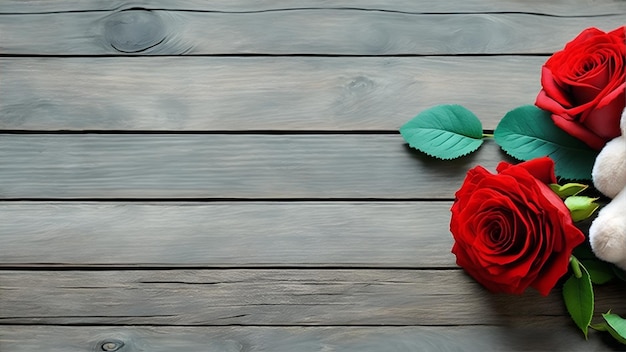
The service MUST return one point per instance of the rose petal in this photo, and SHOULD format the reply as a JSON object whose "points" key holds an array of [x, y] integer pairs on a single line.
{"points": [[578, 131], [558, 265], [605, 121], [539, 168], [620, 34], [591, 32], [587, 89], [582, 80], [509, 230], [549, 84], [545, 102]]}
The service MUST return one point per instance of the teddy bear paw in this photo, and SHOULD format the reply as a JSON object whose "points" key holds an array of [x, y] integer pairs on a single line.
{"points": [[608, 239], [609, 170]]}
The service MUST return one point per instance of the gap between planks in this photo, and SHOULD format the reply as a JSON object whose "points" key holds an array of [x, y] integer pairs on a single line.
{"points": [[555, 7]]}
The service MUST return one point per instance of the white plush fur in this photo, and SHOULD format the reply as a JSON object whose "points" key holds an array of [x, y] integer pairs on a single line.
{"points": [[609, 170], [607, 233]]}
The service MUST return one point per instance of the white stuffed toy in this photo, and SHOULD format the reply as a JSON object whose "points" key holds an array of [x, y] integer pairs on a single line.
{"points": [[607, 233]]}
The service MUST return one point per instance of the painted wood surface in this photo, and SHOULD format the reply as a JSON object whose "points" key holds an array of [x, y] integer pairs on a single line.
{"points": [[239, 184], [217, 234], [554, 8], [266, 297], [127, 166], [256, 93], [290, 32], [523, 337]]}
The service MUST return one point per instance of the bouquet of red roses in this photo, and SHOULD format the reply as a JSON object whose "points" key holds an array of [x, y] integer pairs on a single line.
{"points": [[517, 228]]}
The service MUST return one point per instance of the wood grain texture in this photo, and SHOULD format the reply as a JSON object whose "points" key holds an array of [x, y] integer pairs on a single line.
{"points": [[554, 7], [124, 166], [289, 32], [225, 235], [527, 337], [272, 297], [278, 93], [389, 234]]}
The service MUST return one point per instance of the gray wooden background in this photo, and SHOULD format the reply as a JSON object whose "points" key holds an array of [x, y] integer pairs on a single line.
{"points": [[227, 175]]}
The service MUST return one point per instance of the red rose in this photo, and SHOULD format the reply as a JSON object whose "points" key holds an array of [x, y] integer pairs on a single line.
{"points": [[511, 230], [584, 86]]}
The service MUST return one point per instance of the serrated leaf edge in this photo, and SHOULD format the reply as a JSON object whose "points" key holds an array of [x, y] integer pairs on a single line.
{"points": [[451, 158], [585, 329]]}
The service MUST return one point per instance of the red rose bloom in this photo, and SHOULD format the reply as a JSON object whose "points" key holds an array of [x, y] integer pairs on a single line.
{"points": [[511, 230], [584, 86]]}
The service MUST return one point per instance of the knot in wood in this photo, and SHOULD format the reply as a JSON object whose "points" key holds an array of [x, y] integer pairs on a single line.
{"points": [[134, 30], [112, 345], [360, 84]]}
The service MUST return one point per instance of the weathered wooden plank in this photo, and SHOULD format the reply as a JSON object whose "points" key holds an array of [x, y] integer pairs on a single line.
{"points": [[284, 32], [271, 297], [372, 234], [549, 336], [555, 7], [127, 166], [294, 93]]}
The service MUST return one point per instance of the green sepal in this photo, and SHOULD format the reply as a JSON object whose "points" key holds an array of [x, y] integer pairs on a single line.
{"points": [[568, 189], [581, 207], [603, 326], [444, 132]]}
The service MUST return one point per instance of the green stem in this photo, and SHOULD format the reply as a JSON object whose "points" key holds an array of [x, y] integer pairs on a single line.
{"points": [[487, 135], [575, 264]]}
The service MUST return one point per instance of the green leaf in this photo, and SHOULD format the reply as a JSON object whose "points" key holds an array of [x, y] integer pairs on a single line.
{"points": [[583, 251], [603, 326], [568, 189], [528, 132], [619, 273], [444, 131], [616, 326], [600, 272], [578, 297], [581, 207]]}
